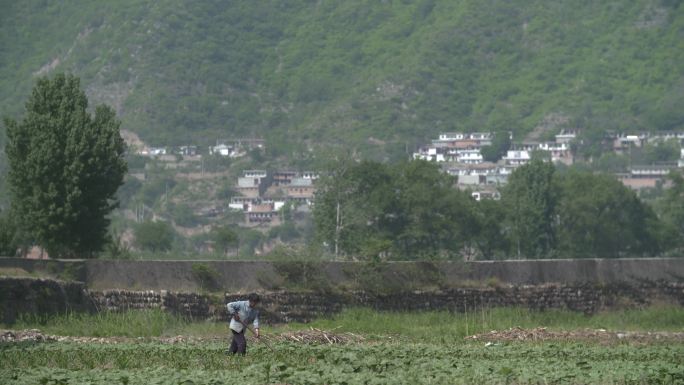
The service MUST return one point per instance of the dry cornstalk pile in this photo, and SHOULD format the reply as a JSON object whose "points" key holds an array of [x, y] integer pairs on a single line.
{"points": [[318, 336], [520, 334], [33, 335]]}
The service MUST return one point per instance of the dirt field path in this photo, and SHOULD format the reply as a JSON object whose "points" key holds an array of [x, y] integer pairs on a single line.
{"points": [[322, 337]]}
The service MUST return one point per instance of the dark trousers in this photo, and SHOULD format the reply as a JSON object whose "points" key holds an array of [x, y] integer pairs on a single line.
{"points": [[239, 343]]}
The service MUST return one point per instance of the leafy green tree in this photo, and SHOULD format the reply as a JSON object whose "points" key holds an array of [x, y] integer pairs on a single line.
{"points": [[287, 232], [500, 144], [215, 163], [408, 211], [598, 217], [592, 143], [257, 155], [671, 209], [530, 199], [376, 249], [612, 162], [65, 168], [117, 247], [154, 236], [225, 192], [156, 188], [249, 240], [489, 238], [128, 190], [207, 276], [184, 215], [136, 162], [338, 212], [666, 151], [542, 155], [225, 239], [8, 243], [374, 201], [431, 218]]}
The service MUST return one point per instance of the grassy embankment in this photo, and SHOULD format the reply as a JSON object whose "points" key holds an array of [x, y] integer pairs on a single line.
{"points": [[431, 326]]}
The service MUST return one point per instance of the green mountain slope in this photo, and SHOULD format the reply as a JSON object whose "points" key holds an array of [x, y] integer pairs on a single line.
{"points": [[376, 75]]}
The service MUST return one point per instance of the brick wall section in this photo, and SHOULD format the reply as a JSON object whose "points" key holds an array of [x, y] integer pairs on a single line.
{"points": [[39, 296]]}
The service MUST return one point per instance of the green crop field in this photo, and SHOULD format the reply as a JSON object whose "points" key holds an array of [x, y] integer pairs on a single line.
{"points": [[371, 363], [434, 351]]}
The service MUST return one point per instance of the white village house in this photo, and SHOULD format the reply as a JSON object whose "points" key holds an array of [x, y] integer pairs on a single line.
{"points": [[517, 157], [431, 154]]}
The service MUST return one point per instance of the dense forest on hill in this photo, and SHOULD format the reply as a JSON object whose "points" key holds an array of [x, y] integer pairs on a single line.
{"points": [[376, 76]]}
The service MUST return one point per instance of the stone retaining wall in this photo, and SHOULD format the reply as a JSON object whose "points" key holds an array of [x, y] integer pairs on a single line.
{"points": [[281, 307], [31, 296], [191, 305], [44, 297]]}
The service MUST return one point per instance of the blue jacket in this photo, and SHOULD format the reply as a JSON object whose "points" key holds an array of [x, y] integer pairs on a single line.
{"points": [[247, 315]]}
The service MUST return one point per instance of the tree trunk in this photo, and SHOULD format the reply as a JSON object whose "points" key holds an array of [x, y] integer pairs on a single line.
{"points": [[337, 231]]}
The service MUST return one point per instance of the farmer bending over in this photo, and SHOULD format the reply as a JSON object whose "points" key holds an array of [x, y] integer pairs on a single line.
{"points": [[243, 313]]}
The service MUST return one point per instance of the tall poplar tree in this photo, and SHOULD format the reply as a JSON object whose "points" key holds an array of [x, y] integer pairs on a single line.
{"points": [[65, 168], [672, 212], [530, 198]]}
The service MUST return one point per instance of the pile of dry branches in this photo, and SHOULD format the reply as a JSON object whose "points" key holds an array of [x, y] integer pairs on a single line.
{"points": [[318, 336], [33, 335]]}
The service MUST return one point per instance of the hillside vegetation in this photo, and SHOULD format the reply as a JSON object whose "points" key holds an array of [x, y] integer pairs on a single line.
{"points": [[378, 76]]}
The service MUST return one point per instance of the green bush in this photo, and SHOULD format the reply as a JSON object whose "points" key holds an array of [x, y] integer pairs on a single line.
{"points": [[206, 276], [154, 236]]}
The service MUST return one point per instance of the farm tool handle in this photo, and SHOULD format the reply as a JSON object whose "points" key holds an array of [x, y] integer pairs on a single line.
{"points": [[259, 337]]}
